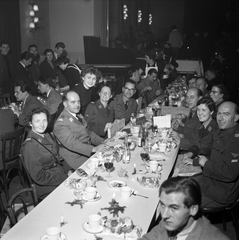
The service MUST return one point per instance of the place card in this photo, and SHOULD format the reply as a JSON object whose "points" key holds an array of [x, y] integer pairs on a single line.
{"points": [[163, 121]]}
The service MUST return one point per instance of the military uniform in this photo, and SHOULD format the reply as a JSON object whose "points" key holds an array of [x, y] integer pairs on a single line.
{"points": [[97, 116], [120, 110], [75, 139], [220, 179], [41, 165]]}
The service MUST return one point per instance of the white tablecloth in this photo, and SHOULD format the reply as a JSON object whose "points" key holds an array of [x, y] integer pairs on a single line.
{"points": [[190, 66], [48, 213]]}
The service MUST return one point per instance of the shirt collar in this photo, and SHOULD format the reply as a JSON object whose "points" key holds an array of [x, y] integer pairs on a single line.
{"points": [[48, 92], [188, 230], [205, 124], [73, 114]]}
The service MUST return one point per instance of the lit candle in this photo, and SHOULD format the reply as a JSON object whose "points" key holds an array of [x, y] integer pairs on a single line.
{"points": [[113, 196], [62, 219]]}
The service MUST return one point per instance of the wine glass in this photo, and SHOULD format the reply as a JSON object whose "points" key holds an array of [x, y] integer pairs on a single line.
{"points": [[108, 167], [145, 157]]}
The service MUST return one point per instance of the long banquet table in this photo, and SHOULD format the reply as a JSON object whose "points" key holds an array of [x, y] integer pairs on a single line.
{"points": [[48, 213]]}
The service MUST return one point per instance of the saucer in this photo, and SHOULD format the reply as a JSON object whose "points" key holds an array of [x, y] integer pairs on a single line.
{"points": [[95, 199], [86, 227], [117, 184], [62, 237]]}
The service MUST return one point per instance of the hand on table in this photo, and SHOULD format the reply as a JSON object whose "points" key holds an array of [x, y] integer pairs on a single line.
{"points": [[159, 92], [175, 136], [15, 109], [147, 89], [187, 158], [202, 160], [100, 148], [107, 126]]}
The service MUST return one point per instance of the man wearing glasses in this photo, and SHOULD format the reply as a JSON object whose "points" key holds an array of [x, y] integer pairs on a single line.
{"points": [[123, 104]]}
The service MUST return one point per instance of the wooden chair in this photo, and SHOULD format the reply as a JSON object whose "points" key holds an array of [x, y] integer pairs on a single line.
{"points": [[11, 144], [232, 209], [19, 205], [5, 100]]}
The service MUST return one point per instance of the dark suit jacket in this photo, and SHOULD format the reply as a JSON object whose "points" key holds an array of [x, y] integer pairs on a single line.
{"points": [[31, 103], [53, 101], [6, 125], [72, 74]]}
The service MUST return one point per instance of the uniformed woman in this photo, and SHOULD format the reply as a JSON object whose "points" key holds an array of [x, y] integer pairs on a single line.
{"points": [[99, 115], [40, 154]]}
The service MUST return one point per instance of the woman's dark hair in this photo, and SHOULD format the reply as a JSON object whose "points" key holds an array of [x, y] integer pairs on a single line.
{"points": [[188, 186], [47, 51], [223, 91], [210, 104], [91, 70], [38, 111], [62, 60]]}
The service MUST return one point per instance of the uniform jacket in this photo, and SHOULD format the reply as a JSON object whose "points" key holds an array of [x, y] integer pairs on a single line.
{"points": [[53, 100], [30, 103], [220, 179], [6, 125], [47, 70], [188, 130], [40, 163], [97, 116], [203, 144], [73, 75], [119, 107], [203, 230], [75, 139]]}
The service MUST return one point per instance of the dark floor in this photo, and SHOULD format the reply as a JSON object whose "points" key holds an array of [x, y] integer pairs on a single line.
{"points": [[15, 186]]}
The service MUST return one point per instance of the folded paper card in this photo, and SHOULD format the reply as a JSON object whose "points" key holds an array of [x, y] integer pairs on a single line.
{"points": [[163, 121]]}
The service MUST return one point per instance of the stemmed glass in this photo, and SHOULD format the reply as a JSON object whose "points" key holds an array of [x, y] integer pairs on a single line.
{"points": [[108, 167], [145, 157]]}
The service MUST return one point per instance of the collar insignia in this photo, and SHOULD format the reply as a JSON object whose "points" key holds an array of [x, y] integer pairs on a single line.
{"points": [[235, 155], [71, 119]]}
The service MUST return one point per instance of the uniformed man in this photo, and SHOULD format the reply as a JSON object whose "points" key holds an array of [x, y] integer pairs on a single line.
{"points": [[123, 104], [220, 179], [75, 140]]}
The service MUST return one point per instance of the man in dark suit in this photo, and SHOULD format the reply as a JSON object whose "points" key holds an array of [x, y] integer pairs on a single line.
{"points": [[6, 125], [6, 68], [21, 71], [29, 102]]}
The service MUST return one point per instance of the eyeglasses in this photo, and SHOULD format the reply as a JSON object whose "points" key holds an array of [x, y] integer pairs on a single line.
{"points": [[214, 92], [129, 89]]}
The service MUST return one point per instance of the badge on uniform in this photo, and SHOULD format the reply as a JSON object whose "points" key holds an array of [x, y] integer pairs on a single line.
{"points": [[100, 107], [235, 154], [209, 128], [71, 119], [39, 140], [234, 160], [60, 120]]}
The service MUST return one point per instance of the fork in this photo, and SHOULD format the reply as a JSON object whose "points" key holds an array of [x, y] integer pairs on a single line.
{"points": [[135, 194]]}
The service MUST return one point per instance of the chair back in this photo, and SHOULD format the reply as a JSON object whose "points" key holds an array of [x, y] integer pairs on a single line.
{"points": [[5, 100], [26, 172], [15, 210], [11, 144]]}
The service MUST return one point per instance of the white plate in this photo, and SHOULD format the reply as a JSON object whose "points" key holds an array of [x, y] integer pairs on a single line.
{"points": [[151, 180], [63, 237], [117, 184], [83, 195], [86, 227]]}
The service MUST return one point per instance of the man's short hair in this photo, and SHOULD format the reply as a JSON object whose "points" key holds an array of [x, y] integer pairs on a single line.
{"points": [[24, 87], [60, 45], [27, 55], [64, 97], [32, 45], [188, 186], [132, 71], [4, 42], [47, 80], [62, 60], [129, 81], [152, 70], [204, 79], [198, 91]]}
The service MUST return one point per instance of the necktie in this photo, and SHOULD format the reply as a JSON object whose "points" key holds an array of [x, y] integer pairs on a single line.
{"points": [[126, 105], [201, 131], [190, 114]]}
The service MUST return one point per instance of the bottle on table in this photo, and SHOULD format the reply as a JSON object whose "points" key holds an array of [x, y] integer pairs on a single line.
{"points": [[127, 154], [133, 119]]}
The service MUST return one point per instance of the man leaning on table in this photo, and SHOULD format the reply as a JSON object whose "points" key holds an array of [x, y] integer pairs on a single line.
{"points": [[71, 132], [220, 176], [179, 204]]}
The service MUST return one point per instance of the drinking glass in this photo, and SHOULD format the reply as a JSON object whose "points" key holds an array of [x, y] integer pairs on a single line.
{"points": [[108, 167]]}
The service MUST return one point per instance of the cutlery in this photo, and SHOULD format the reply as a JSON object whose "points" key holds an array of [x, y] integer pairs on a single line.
{"points": [[139, 195]]}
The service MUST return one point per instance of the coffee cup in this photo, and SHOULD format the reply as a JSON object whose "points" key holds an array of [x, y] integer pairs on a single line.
{"points": [[164, 133], [94, 162], [162, 147], [53, 233], [153, 165], [135, 130], [94, 221], [90, 193], [126, 192]]}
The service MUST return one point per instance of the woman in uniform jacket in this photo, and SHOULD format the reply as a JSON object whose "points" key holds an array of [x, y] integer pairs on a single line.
{"points": [[99, 115], [40, 155], [202, 140]]}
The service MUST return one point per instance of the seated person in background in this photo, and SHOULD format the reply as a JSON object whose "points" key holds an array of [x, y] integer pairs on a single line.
{"points": [[219, 181], [90, 76], [73, 135], [212, 77], [192, 82], [219, 94], [71, 71], [149, 87], [137, 50], [35, 66], [46, 168], [53, 98], [179, 204], [99, 115], [29, 102], [59, 50], [202, 140], [123, 104], [201, 83], [188, 126], [134, 75], [7, 120]]}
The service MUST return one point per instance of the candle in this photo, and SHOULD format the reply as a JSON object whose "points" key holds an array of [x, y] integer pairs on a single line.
{"points": [[113, 195], [62, 219]]}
